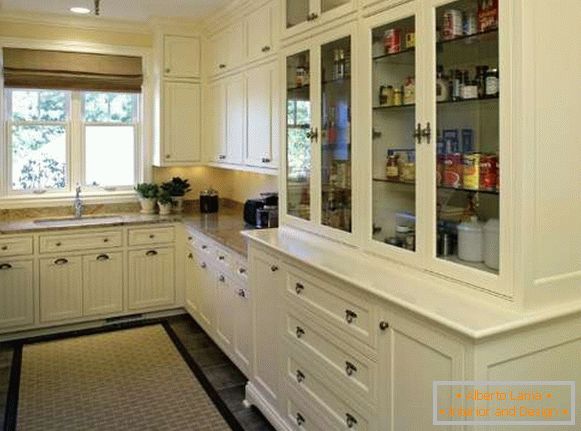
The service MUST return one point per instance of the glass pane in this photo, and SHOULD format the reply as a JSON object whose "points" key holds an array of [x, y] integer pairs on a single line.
{"points": [[336, 134], [468, 133], [101, 168], [39, 157], [394, 144], [327, 5], [298, 136], [109, 107], [297, 12], [39, 105]]}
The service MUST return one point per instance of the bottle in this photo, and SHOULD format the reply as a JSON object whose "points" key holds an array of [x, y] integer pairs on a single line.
{"points": [[409, 91], [392, 166], [481, 80], [492, 83], [456, 84], [442, 87], [342, 64], [397, 97], [331, 127]]}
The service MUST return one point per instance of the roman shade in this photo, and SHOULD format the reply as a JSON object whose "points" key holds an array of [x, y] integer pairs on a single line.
{"points": [[30, 68]]}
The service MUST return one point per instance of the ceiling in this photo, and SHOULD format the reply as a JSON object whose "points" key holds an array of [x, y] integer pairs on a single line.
{"points": [[136, 10]]}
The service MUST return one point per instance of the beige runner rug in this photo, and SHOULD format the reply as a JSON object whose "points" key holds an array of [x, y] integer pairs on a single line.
{"points": [[132, 379]]}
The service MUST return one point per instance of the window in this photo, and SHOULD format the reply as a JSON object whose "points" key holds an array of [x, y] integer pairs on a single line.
{"points": [[59, 138]]}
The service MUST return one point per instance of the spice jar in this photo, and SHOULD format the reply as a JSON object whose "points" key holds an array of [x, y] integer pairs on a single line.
{"points": [[409, 91], [392, 166], [397, 97], [301, 76], [492, 83]]}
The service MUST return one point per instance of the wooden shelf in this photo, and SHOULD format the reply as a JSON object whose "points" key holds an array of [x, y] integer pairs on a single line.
{"points": [[467, 40], [396, 54], [461, 189]]}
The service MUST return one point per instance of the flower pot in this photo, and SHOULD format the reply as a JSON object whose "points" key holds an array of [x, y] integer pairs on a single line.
{"points": [[165, 209], [178, 204], [147, 205]]}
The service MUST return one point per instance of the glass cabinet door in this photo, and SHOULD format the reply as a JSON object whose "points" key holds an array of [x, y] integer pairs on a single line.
{"points": [[298, 135], [328, 5], [336, 134], [393, 126], [467, 133], [297, 12]]}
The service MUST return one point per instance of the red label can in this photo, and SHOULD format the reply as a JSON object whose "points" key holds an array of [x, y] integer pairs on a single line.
{"points": [[488, 172], [392, 41], [453, 170]]}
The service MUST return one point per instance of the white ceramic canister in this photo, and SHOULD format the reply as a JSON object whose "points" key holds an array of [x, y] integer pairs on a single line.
{"points": [[470, 241], [492, 243]]}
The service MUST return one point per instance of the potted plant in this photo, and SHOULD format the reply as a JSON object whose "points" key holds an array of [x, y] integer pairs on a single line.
{"points": [[177, 189], [147, 197], [165, 203]]}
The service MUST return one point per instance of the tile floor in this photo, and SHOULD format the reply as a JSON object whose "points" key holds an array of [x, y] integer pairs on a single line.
{"points": [[222, 374]]}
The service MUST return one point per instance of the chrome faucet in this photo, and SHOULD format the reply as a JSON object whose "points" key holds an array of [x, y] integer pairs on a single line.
{"points": [[78, 205]]}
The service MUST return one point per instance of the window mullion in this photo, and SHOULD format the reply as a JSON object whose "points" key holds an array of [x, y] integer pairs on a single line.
{"points": [[75, 142]]}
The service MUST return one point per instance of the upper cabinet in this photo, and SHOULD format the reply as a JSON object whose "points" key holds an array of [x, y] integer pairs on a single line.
{"points": [[319, 145], [303, 15], [181, 56], [226, 49], [261, 31]]}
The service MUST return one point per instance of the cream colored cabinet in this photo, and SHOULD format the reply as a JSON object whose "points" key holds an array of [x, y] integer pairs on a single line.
{"points": [[261, 31], [227, 49], [61, 288], [102, 283], [235, 119], [215, 132], [267, 281], [217, 53], [192, 293], [16, 293], [151, 278], [243, 340], [182, 102], [225, 312], [304, 15], [206, 284], [181, 56], [262, 116]]}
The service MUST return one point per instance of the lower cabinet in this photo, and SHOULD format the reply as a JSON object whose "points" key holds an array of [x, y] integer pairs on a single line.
{"points": [[205, 283], [242, 328], [151, 278], [192, 291], [102, 283], [16, 293], [225, 312], [61, 288]]}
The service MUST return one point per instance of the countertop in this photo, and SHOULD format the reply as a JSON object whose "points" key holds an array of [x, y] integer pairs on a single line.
{"points": [[457, 309], [224, 227]]}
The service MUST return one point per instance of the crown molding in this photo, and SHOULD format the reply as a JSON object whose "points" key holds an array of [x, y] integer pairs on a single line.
{"points": [[224, 16], [85, 23]]}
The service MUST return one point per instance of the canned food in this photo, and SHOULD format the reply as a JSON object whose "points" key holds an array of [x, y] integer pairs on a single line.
{"points": [[392, 41], [452, 24], [453, 170], [488, 172], [410, 40], [471, 174], [470, 24]]}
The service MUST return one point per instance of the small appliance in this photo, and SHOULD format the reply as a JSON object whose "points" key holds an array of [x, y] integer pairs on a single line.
{"points": [[252, 206], [209, 201]]}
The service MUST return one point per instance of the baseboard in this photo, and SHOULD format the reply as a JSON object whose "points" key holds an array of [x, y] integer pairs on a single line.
{"points": [[254, 398]]}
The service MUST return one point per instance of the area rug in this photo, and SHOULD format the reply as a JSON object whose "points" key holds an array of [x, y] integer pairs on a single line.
{"points": [[130, 379]]}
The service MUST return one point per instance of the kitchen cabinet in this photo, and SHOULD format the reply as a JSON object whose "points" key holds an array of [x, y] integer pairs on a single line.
{"points": [[16, 293], [216, 118], [192, 291], [102, 283], [262, 118], [243, 340], [225, 311], [303, 15], [206, 284], [61, 288], [182, 102], [235, 119], [151, 278], [181, 56], [227, 49], [261, 31], [319, 146]]}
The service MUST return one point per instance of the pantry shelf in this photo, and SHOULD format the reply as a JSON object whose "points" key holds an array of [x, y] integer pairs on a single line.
{"points": [[484, 36], [394, 107], [476, 265], [403, 53], [459, 189], [466, 101], [346, 80]]}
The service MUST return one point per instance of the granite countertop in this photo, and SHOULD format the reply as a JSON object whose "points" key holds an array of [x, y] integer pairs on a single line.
{"points": [[224, 227]]}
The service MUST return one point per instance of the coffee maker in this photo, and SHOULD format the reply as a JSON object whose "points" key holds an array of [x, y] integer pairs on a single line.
{"points": [[262, 212]]}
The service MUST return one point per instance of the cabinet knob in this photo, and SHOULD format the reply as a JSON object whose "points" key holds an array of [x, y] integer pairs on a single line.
{"points": [[300, 332], [312, 16], [299, 287], [151, 253], [350, 369], [168, 70], [190, 256], [300, 376], [222, 279], [383, 325], [241, 293], [58, 244], [313, 134], [222, 66], [242, 271], [61, 262], [265, 48], [5, 266], [350, 316], [105, 240], [265, 160], [190, 238], [203, 265], [151, 236], [221, 257], [274, 268], [103, 258], [204, 247], [167, 156], [222, 157], [300, 419], [350, 421], [4, 247]]}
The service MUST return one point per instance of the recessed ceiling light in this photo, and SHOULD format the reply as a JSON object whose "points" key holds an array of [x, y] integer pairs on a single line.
{"points": [[81, 10]]}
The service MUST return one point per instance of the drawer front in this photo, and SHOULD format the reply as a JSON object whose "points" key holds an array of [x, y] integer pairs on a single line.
{"points": [[151, 236], [80, 241], [223, 258], [301, 417], [340, 414], [241, 270], [19, 246], [353, 370], [346, 313]]}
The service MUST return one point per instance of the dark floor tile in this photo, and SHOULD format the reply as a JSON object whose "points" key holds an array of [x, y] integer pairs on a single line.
{"points": [[234, 397], [209, 357], [252, 420], [224, 376], [5, 357]]}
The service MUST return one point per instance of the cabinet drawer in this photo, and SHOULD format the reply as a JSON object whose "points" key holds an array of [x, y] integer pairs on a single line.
{"points": [[300, 416], [15, 246], [223, 258], [322, 399], [80, 241], [356, 373], [344, 311], [151, 236], [241, 270]]}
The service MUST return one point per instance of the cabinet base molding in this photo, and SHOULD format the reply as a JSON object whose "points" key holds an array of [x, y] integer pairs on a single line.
{"points": [[254, 398], [89, 325]]}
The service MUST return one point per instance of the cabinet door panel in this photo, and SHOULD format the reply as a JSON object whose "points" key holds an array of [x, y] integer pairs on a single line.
{"points": [[235, 46], [151, 278], [206, 285], [181, 57], [61, 288], [182, 121], [260, 29], [262, 124], [235, 119], [192, 293], [216, 117], [243, 329], [225, 312], [16, 294], [102, 283]]}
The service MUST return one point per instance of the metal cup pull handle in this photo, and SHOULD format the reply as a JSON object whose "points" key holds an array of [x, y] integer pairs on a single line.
{"points": [[151, 253], [350, 369], [103, 257]]}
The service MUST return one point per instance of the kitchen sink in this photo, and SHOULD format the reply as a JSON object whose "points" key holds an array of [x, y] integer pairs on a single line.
{"points": [[67, 221]]}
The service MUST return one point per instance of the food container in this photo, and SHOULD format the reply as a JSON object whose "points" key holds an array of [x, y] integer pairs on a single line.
{"points": [[209, 201], [487, 15], [488, 172], [452, 24], [471, 171], [410, 40], [453, 170], [392, 41], [492, 243], [471, 241]]}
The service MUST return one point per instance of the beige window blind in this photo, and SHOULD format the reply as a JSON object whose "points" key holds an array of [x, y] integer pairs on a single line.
{"points": [[29, 68]]}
